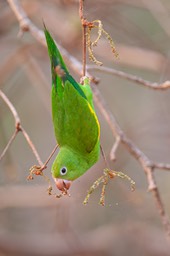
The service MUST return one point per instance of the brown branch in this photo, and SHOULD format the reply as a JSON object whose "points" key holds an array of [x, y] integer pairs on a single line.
{"points": [[9, 144], [38, 169], [17, 123], [24, 21], [30, 143], [49, 158], [114, 148], [11, 107], [147, 165], [38, 34], [81, 3], [83, 22], [18, 128], [111, 71], [162, 166]]}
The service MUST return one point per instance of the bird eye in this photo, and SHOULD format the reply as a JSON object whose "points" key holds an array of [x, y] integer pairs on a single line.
{"points": [[63, 170]]}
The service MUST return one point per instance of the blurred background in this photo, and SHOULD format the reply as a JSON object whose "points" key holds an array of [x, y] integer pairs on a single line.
{"points": [[33, 223]]}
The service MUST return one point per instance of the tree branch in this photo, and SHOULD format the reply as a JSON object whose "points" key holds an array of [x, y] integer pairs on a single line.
{"points": [[11, 107], [114, 148], [147, 165], [9, 144], [81, 15], [18, 128], [111, 71]]}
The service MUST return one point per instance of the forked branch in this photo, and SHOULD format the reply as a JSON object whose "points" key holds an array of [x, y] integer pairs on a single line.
{"points": [[18, 128]]}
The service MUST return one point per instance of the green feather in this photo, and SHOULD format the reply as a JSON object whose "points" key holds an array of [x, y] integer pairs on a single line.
{"points": [[57, 60], [75, 122]]}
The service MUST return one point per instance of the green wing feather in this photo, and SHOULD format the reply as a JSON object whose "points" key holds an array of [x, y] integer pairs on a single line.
{"points": [[57, 60], [74, 118], [81, 124]]}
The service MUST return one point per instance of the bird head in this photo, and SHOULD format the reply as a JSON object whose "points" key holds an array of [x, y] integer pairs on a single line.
{"points": [[68, 166]]}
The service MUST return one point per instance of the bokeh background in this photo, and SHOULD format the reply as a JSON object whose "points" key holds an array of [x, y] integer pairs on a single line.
{"points": [[33, 223]]}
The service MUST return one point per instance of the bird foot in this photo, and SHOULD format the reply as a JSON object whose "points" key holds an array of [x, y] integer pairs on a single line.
{"points": [[38, 170], [35, 170]]}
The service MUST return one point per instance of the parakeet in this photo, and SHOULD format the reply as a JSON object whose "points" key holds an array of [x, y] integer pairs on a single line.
{"points": [[76, 125]]}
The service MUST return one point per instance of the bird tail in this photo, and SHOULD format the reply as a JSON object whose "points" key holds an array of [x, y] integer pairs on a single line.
{"points": [[58, 67], [54, 54]]}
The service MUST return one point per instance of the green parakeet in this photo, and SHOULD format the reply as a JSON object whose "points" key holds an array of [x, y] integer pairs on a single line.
{"points": [[75, 122]]}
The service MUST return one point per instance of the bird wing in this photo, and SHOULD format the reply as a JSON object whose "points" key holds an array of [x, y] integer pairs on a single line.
{"points": [[75, 121], [81, 123]]}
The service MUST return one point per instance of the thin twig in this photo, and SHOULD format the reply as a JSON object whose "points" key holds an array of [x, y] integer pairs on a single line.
{"points": [[49, 158], [162, 166], [18, 128], [156, 86], [38, 170], [39, 34], [25, 23], [81, 3], [104, 156], [9, 143], [145, 162], [114, 148], [17, 123], [81, 14], [11, 107], [30, 143]]}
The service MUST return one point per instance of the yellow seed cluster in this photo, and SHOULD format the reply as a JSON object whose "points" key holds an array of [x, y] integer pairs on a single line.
{"points": [[98, 24], [107, 174]]}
